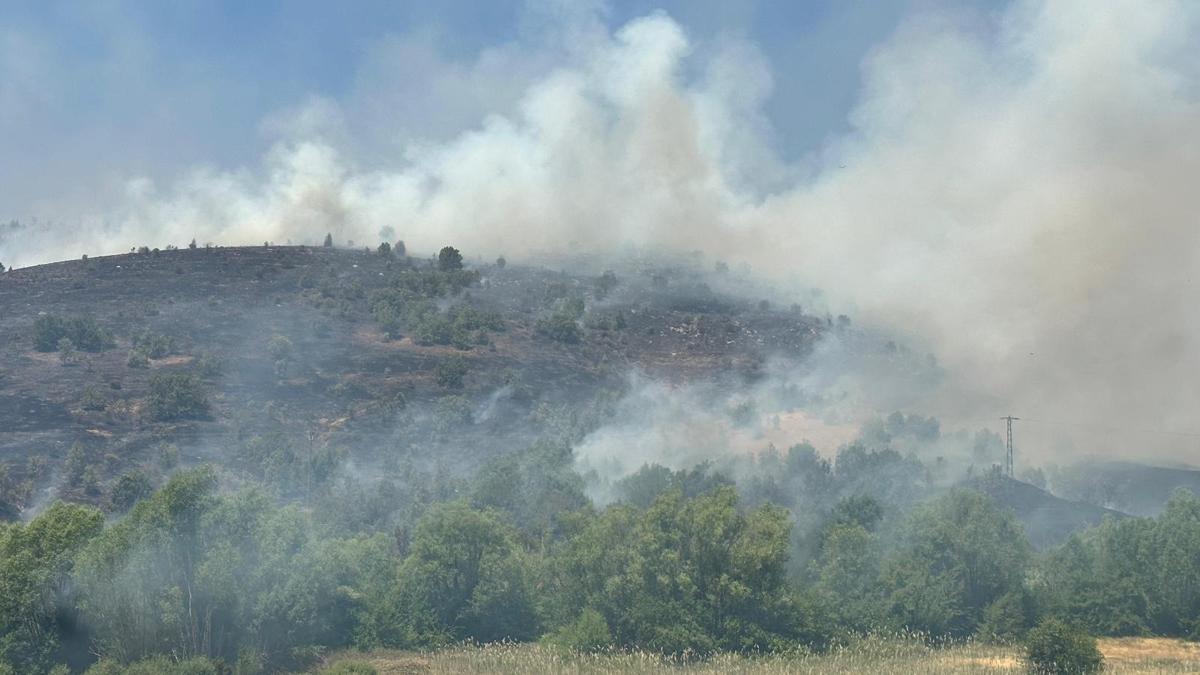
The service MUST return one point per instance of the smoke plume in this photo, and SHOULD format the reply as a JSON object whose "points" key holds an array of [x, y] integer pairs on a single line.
{"points": [[1015, 195]]}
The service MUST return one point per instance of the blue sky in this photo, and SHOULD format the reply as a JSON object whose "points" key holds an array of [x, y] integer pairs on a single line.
{"points": [[92, 92]]}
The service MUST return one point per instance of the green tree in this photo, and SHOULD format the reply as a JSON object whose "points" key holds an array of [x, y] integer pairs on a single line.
{"points": [[449, 258], [36, 594], [959, 554], [129, 489], [468, 576]]}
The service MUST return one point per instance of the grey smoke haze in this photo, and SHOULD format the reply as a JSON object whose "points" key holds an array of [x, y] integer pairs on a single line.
{"points": [[1015, 195]]}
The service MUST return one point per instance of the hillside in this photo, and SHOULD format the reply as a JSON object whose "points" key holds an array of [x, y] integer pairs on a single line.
{"points": [[293, 343], [1132, 487], [1048, 520]]}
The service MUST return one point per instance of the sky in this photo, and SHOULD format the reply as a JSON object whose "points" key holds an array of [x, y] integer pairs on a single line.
{"points": [[92, 93]]}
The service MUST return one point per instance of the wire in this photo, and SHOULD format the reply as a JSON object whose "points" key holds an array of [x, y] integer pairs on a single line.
{"points": [[1094, 427]]}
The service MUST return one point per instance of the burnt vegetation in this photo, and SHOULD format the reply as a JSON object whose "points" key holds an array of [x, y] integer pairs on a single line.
{"points": [[262, 454]]}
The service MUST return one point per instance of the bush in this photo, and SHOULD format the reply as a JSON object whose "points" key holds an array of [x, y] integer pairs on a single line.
{"points": [[560, 326], [177, 396], [1055, 647], [154, 345], [328, 240], [385, 250], [66, 351], [450, 372], [588, 633], [137, 360], [83, 332]]}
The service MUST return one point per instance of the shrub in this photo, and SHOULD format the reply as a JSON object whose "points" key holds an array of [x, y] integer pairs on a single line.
{"points": [[501, 262], [93, 399], [449, 258], [605, 284], [399, 249], [280, 348], [328, 240], [66, 351], [559, 326], [588, 633], [177, 396], [450, 372], [154, 345], [85, 334], [137, 360], [1055, 647], [385, 250], [209, 365]]}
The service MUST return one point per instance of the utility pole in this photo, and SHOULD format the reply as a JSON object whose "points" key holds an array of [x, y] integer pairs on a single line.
{"points": [[1008, 459]]}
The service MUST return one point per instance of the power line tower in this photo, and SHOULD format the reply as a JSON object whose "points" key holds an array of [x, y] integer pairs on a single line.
{"points": [[1008, 458]]}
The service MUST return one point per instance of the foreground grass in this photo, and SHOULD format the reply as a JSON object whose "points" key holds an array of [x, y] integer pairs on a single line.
{"points": [[875, 655]]}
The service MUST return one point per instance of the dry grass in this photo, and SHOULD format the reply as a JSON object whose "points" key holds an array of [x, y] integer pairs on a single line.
{"points": [[874, 655]]}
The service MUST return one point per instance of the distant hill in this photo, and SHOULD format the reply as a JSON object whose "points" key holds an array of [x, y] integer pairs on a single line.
{"points": [[1134, 488], [1048, 520]]}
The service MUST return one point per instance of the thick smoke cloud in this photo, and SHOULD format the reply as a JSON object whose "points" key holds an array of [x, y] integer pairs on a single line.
{"points": [[1015, 195]]}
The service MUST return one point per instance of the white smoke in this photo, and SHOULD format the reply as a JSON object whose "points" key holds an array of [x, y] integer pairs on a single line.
{"points": [[1016, 194]]}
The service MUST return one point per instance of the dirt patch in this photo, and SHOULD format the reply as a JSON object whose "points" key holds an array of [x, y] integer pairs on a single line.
{"points": [[1140, 650]]}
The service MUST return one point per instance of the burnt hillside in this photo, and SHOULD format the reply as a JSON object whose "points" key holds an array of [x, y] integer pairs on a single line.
{"points": [[383, 358]]}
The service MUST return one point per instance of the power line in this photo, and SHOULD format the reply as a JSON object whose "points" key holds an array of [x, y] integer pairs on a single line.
{"points": [[1094, 427]]}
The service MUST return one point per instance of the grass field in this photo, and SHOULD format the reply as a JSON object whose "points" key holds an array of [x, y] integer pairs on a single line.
{"points": [[877, 655]]}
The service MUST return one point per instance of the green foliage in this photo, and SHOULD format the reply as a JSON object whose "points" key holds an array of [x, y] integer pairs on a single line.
{"points": [[1008, 618], [175, 396], [449, 258], [193, 573], [36, 596], [154, 345], [562, 326], [137, 360], [209, 365], [1129, 577], [650, 482], [66, 351], [533, 486], [960, 554], [82, 332], [587, 633], [685, 575], [129, 489], [399, 309], [466, 577], [1055, 647], [450, 372]]}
